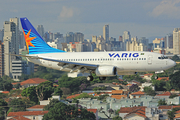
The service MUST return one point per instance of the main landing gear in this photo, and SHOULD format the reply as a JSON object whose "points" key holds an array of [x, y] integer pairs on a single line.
{"points": [[90, 78]]}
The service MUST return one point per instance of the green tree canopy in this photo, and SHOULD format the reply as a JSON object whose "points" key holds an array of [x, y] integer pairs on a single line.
{"points": [[51, 104], [61, 111], [3, 109], [149, 91], [30, 92], [162, 102], [136, 77], [58, 91], [175, 78], [175, 58], [44, 90]]}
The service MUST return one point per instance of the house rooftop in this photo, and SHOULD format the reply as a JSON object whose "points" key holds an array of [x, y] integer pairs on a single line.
{"points": [[138, 93], [92, 110], [19, 118], [168, 106], [5, 92], [26, 113], [163, 78], [165, 94], [119, 96], [37, 107], [33, 81]]}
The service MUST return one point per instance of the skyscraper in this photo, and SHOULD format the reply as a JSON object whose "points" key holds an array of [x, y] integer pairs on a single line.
{"points": [[11, 43], [176, 41], [40, 30], [106, 32], [126, 38]]}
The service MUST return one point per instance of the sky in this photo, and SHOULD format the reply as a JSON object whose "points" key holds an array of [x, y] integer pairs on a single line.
{"points": [[143, 18]]}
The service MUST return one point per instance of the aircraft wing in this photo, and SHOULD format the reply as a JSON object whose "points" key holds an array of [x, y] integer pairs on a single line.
{"points": [[64, 64]]}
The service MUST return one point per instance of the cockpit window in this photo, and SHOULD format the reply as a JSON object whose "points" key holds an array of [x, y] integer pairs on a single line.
{"points": [[163, 57]]}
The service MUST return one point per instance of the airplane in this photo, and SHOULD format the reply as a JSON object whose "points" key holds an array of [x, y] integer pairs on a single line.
{"points": [[103, 64]]}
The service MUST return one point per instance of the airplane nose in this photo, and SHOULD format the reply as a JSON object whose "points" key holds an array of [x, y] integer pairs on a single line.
{"points": [[172, 63]]}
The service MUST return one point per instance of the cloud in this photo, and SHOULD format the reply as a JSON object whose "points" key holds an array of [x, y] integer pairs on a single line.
{"points": [[67, 13], [167, 7]]}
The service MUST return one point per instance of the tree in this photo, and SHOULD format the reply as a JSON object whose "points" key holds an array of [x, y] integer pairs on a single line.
{"points": [[58, 91], [66, 91], [16, 105], [134, 88], [30, 92], [3, 109], [117, 118], [175, 58], [84, 95], [173, 95], [61, 111], [17, 86], [136, 77], [44, 90], [175, 78], [51, 104], [162, 102], [149, 91], [172, 112], [168, 86]]}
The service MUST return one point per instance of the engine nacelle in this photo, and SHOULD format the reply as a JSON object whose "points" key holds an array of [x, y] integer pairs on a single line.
{"points": [[106, 71]]}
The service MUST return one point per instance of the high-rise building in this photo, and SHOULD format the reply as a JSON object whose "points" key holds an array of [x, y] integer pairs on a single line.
{"points": [[144, 40], [106, 33], [22, 42], [126, 38], [120, 38], [1, 59], [69, 37], [40, 30], [11, 43], [176, 41], [169, 41], [1, 35], [94, 39], [78, 37]]}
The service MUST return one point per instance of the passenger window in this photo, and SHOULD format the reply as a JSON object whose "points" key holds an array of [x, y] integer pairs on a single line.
{"points": [[139, 58], [144, 58], [134, 58]]}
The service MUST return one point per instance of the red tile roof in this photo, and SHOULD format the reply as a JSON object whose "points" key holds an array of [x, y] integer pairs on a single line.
{"points": [[92, 110], [5, 92], [165, 94], [163, 78], [129, 84], [15, 83], [133, 110], [138, 93], [27, 113], [121, 79], [117, 91], [148, 74], [37, 107], [119, 96], [178, 111], [72, 96], [33, 81], [168, 106]]}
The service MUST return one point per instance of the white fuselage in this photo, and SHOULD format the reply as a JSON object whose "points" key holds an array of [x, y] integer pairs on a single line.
{"points": [[124, 61]]}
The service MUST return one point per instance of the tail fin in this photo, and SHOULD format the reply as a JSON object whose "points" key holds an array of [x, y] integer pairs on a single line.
{"points": [[34, 42]]}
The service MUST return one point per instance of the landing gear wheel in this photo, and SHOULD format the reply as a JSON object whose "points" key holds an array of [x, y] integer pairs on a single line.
{"points": [[90, 78], [102, 78], [156, 77]]}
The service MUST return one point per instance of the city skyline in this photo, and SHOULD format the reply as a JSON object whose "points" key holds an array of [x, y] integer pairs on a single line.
{"points": [[142, 18]]}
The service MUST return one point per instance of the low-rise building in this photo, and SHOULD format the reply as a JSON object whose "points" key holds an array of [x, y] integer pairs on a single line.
{"points": [[146, 84], [137, 94], [32, 82], [26, 115]]}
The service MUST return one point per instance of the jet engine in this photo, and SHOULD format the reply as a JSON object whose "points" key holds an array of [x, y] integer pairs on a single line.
{"points": [[106, 71]]}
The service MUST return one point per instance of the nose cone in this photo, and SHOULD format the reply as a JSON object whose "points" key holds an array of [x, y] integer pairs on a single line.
{"points": [[172, 63]]}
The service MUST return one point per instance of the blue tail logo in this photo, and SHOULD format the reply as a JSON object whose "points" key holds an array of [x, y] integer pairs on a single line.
{"points": [[34, 42]]}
